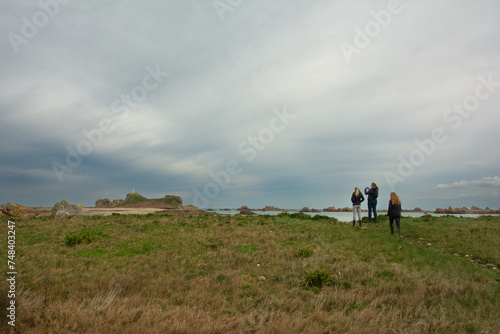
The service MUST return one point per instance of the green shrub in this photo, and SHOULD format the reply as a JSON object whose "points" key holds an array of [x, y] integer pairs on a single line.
{"points": [[317, 278], [323, 217], [77, 238], [304, 216], [427, 217], [305, 251], [296, 215]]}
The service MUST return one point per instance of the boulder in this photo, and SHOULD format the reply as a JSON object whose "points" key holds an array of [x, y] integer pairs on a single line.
{"points": [[116, 202], [330, 209], [64, 209], [440, 211], [305, 209], [452, 211], [14, 210], [246, 212], [103, 203], [271, 208]]}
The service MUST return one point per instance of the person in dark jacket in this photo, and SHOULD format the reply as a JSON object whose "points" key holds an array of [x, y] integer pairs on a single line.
{"points": [[394, 212], [372, 202], [356, 199]]}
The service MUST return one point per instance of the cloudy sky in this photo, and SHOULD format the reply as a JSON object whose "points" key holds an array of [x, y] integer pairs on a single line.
{"points": [[229, 103]]}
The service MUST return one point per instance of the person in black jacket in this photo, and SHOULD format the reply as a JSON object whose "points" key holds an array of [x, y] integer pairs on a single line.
{"points": [[356, 199], [372, 202], [394, 212]]}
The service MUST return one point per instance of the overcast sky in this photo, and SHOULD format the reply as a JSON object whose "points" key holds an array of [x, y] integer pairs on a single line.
{"points": [[229, 103]]}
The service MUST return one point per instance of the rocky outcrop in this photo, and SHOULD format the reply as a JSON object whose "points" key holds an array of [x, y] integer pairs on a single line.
{"points": [[246, 212], [13, 210], [116, 202], [103, 203], [346, 209], [175, 201], [271, 208], [450, 210], [64, 209], [333, 209], [305, 209]]}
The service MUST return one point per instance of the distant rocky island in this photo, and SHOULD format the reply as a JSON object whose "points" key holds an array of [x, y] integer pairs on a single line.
{"points": [[135, 200]]}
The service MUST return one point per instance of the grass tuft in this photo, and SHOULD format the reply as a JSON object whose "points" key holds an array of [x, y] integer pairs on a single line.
{"points": [[317, 278], [305, 252], [78, 238]]}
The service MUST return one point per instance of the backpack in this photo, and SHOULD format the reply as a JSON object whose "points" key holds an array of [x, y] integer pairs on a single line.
{"points": [[375, 193]]}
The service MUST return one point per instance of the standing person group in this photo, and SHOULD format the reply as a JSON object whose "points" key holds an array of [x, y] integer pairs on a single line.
{"points": [[393, 212]]}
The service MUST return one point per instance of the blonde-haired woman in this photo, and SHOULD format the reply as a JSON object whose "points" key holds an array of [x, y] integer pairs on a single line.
{"points": [[394, 212], [356, 199]]}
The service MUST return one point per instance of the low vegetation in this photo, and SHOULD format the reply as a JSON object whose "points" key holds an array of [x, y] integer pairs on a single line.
{"points": [[261, 274]]}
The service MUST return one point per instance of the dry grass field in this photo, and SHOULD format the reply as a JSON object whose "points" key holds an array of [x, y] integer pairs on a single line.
{"points": [[260, 274]]}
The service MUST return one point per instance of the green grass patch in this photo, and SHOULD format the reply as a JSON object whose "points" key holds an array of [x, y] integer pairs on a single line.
{"points": [[94, 252], [79, 238], [246, 248]]}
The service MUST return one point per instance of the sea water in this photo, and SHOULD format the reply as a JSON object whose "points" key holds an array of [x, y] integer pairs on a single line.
{"points": [[341, 216]]}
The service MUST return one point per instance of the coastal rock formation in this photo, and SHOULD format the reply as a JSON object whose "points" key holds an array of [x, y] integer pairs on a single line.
{"points": [[305, 209], [116, 202], [103, 203], [106, 203], [64, 209], [14, 210], [135, 200], [246, 212], [271, 208], [450, 210], [333, 209]]}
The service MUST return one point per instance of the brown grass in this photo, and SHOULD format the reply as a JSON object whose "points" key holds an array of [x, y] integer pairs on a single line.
{"points": [[162, 274]]}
